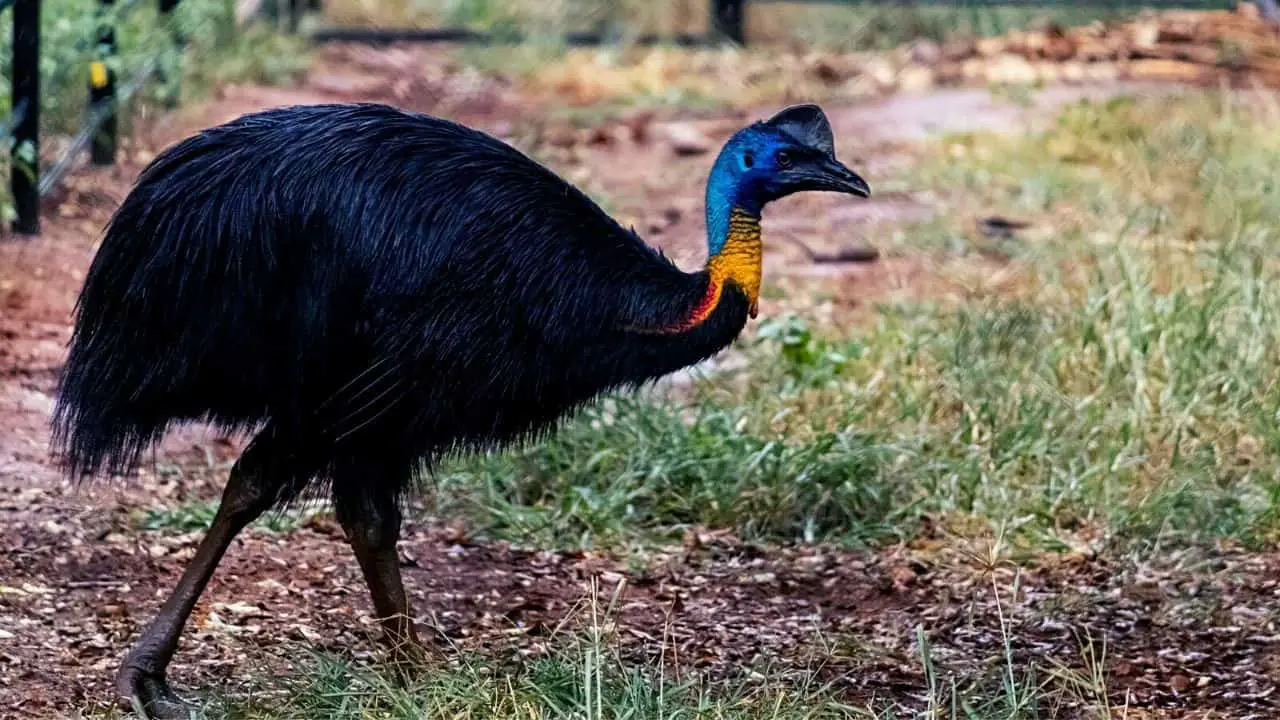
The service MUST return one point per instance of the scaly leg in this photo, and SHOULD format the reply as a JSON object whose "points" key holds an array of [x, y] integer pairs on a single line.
{"points": [[372, 527], [141, 679]]}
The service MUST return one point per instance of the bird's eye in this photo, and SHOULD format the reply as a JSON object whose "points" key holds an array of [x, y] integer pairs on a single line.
{"points": [[747, 160], [784, 158]]}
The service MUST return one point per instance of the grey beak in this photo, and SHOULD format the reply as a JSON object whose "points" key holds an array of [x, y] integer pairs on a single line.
{"points": [[838, 178]]}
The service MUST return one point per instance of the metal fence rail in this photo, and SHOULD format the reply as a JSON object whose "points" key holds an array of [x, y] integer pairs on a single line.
{"points": [[98, 133]]}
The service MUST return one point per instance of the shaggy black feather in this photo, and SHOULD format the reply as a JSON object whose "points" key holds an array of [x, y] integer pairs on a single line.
{"points": [[362, 286]]}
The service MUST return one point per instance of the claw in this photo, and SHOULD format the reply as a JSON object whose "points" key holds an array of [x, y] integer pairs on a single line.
{"points": [[151, 697]]}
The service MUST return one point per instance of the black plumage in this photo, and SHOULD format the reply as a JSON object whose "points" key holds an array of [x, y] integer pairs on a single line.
{"points": [[366, 289], [362, 279]]}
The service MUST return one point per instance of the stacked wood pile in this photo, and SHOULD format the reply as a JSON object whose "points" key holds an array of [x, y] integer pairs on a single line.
{"points": [[1209, 47]]}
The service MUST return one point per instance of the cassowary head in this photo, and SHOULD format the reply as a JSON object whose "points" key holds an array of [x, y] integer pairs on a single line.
{"points": [[791, 152]]}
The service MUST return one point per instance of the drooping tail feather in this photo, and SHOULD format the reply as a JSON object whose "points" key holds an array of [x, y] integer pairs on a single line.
{"points": [[167, 308]]}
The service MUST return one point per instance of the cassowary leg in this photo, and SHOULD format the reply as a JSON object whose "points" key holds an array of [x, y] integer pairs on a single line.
{"points": [[250, 491], [372, 527]]}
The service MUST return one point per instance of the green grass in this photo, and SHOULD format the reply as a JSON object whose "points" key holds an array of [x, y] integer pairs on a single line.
{"points": [[217, 52], [198, 515], [590, 684], [587, 684], [584, 675], [1128, 392]]}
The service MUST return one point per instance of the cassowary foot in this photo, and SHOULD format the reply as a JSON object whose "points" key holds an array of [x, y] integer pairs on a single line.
{"points": [[408, 657], [150, 694]]}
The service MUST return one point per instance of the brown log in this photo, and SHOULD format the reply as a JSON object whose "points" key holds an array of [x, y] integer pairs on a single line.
{"points": [[1265, 65], [1090, 49], [1102, 72], [990, 47], [1073, 72], [1142, 35], [1251, 42], [1058, 45], [959, 50], [950, 73], [973, 69], [1177, 32], [1170, 70], [1199, 54], [1048, 72], [1010, 69], [1029, 45]]}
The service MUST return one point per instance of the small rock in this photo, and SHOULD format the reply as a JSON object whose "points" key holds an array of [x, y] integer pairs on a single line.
{"points": [[240, 609], [1048, 72], [881, 72], [600, 135], [110, 611], [639, 126], [973, 69], [1011, 70], [926, 52], [950, 73], [827, 72], [561, 136], [685, 139], [1058, 46], [1072, 72], [1102, 72], [915, 78], [902, 577], [1145, 35], [959, 50], [990, 46]]}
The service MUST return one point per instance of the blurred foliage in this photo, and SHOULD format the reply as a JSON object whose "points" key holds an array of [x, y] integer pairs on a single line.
{"points": [[215, 51], [828, 25], [534, 18]]}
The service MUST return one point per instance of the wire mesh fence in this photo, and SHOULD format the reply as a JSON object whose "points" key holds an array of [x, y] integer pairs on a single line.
{"points": [[97, 64]]}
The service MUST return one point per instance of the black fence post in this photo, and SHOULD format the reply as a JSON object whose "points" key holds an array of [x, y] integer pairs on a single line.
{"points": [[294, 10], [171, 72], [24, 175], [102, 86], [728, 20]]}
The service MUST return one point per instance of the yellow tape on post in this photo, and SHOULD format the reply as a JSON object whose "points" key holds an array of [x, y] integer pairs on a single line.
{"points": [[98, 74]]}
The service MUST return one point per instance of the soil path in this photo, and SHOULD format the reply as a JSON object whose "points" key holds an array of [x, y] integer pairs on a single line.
{"points": [[79, 577]]}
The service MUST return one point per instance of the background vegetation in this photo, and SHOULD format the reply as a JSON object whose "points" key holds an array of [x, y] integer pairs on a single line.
{"points": [[216, 51], [817, 26]]}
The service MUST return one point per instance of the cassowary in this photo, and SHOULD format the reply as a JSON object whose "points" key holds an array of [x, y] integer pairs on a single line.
{"points": [[367, 290]]}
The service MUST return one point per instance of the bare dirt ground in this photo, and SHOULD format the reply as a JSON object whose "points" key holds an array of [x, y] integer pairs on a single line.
{"points": [[78, 578]]}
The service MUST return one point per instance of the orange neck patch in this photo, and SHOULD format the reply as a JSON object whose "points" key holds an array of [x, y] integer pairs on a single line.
{"points": [[740, 261]]}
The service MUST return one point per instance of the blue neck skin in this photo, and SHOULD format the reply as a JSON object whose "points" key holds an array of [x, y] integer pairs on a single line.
{"points": [[730, 186]]}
